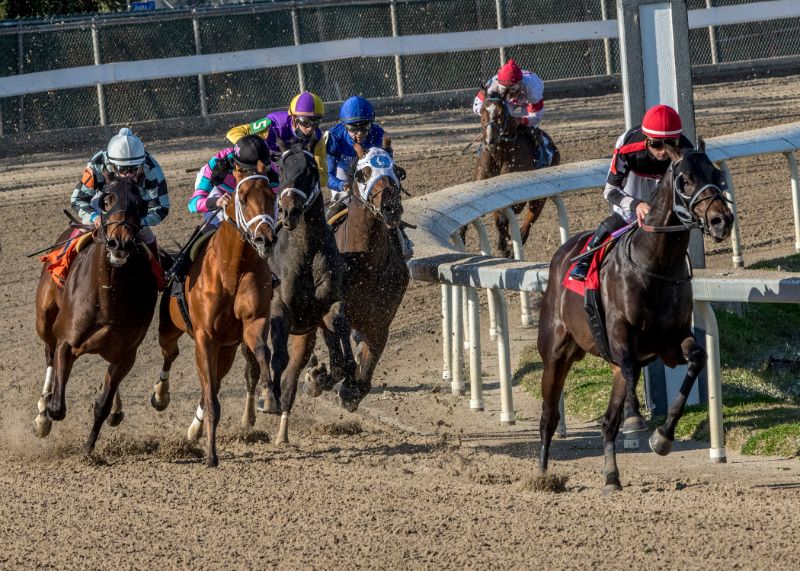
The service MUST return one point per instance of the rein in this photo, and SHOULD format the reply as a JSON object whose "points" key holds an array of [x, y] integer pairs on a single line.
{"points": [[647, 272], [243, 225]]}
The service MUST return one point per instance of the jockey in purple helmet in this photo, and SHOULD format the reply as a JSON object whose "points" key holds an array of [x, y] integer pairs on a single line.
{"points": [[299, 125], [356, 125]]}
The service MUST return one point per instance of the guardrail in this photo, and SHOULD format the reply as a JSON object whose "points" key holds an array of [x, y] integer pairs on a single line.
{"points": [[440, 258]]}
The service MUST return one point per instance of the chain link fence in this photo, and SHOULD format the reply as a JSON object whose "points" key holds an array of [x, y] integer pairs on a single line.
{"points": [[40, 46]]}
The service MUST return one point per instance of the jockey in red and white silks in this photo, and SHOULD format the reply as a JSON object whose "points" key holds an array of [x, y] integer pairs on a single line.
{"points": [[522, 90]]}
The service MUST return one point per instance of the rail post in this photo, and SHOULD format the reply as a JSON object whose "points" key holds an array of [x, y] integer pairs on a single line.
{"points": [[504, 359], [398, 63], [457, 334], [730, 194], [201, 80], [301, 76], [712, 37], [486, 250], [21, 69], [498, 6], [715, 426], [606, 41], [795, 198], [101, 98], [516, 241], [475, 374], [447, 340]]}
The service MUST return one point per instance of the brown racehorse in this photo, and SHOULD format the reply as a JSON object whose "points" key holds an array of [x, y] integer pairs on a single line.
{"points": [[376, 275], [647, 295], [228, 293], [106, 306], [508, 147]]}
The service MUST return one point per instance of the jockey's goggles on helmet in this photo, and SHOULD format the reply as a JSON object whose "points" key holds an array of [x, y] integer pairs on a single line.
{"points": [[658, 144], [360, 127], [509, 89], [125, 170], [307, 121]]}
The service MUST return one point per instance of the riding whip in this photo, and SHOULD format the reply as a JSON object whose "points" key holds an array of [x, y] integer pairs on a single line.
{"points": [[472, 142], [54, 246]]}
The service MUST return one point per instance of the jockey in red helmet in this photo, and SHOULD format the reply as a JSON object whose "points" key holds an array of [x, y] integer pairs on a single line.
{"points": [[523, 90], [638, 164]]}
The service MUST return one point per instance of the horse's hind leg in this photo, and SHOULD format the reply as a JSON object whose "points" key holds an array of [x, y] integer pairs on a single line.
{"points": [[503, 237], [557, 363], [300, 349], [117, 415], [279, 335], [257, 357], [663, 436], [102, 406], [168, 335], [336, 333]]}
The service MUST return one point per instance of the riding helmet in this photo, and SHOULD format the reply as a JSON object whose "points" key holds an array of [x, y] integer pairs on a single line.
{"points": [[662, 122], [125, 149], [249, 150], [307, 104], [356, 110], [509, 74]]}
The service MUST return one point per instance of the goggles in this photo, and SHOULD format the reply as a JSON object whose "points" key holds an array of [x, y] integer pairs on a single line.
{"points": [[658, 144], [361, 127], [126, 170], [307, 121]]}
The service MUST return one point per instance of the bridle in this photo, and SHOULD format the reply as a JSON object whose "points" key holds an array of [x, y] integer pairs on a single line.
{"points": [[382, 166], [242, 225], [106, 225], [308, 198], [492, 127], [683, 205]]}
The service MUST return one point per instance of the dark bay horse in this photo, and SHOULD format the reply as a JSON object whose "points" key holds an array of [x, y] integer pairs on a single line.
{"points": [[647, 295], [508, 147], [310, 290], [228, 293], [105, 308], [376, 275]]}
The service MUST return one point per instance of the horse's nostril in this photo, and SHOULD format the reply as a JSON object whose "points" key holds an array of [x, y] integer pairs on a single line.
{"points": [[113, 243], [717, 221]]}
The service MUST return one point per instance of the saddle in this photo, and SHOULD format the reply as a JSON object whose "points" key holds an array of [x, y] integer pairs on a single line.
{"points": [[59, 261], [592, 298]]}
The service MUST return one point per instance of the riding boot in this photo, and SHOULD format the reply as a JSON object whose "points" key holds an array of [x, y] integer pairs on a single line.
{"points": [[406, 245], [335, 208], [155, 266], [582, 266]]}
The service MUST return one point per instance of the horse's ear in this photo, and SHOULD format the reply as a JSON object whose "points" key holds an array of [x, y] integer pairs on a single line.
{"points": [[281, 144], [107, 175], [261, 168], [674, 153], [387, 142], [359, 150], [701, 144]]}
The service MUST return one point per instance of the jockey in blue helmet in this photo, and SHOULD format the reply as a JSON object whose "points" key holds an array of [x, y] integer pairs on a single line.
{"points": [[356, 125]]}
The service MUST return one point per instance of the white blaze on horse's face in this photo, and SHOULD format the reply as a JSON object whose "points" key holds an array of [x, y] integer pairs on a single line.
{"points": [[492, 109]]}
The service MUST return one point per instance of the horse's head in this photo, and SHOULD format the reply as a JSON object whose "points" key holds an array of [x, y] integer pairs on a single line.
{"points": [[496, 123], [120, 209], [377, 185], [698, 192], [254, 209], [299, 185]]}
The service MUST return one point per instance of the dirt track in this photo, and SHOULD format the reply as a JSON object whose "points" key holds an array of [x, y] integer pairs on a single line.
{"points": [[411, 480]]}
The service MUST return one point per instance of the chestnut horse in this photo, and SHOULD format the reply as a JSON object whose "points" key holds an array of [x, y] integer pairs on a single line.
{"points": [[105, 308], [508, 147], [376, 275], [228, 292], [647, 295], [309, 295]]}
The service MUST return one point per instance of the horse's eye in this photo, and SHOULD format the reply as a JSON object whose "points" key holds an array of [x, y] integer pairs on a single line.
{"points": [[107, 202]]}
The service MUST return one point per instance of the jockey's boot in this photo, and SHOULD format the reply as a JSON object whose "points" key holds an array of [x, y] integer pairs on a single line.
{"points": [[335, 208], [582, 266], [155, 266], [406, 245]]}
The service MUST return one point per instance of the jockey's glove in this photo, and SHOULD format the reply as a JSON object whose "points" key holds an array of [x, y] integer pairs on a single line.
{"points": [[338, 195], [220, 171]]}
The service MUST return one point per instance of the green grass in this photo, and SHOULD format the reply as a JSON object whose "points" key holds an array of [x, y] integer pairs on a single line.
{"points": [[760, 356]]}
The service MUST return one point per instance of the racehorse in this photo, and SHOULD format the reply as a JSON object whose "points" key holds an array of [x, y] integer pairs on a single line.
{"points": [[646, 291], [310, 290], [228, 292], [508, 147], [106, 306], [376, 275]]}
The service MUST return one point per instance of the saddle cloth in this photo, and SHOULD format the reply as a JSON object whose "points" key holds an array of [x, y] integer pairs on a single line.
{"points": [[59, 261], [592, 281]]}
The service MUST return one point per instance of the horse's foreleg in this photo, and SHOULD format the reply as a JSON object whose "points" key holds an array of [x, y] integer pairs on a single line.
{"points": [[300, 349], [117, 415], [102, 406], [663, 436], [47, 389], [271, 391], [64, 359], [337, 338], [371, 348], [503, 236], [532, 213], [257, 357], [168, 336], [206, 354]]}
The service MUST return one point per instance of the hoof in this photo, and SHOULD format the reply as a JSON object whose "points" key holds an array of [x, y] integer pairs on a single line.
{"points": [[311, 387], [42, 425], [610, 489], [633, 424], [349, 405], [195, 432], [42, 404], [212, 462], [56, 415], [115, 418], [160, 405], [659, 443], [268, 405]]}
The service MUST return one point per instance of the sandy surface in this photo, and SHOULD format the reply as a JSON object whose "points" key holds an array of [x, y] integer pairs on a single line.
{"points": [[413, 479]]}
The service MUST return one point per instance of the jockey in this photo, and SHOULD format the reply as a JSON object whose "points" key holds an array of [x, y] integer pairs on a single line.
{"points": [[215, 182], [356, 125], [638, 164], [299, 124], [126, 158], [522, 90]]}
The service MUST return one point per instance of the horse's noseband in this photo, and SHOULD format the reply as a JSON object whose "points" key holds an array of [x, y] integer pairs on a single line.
{"points": [[241, 223]]}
